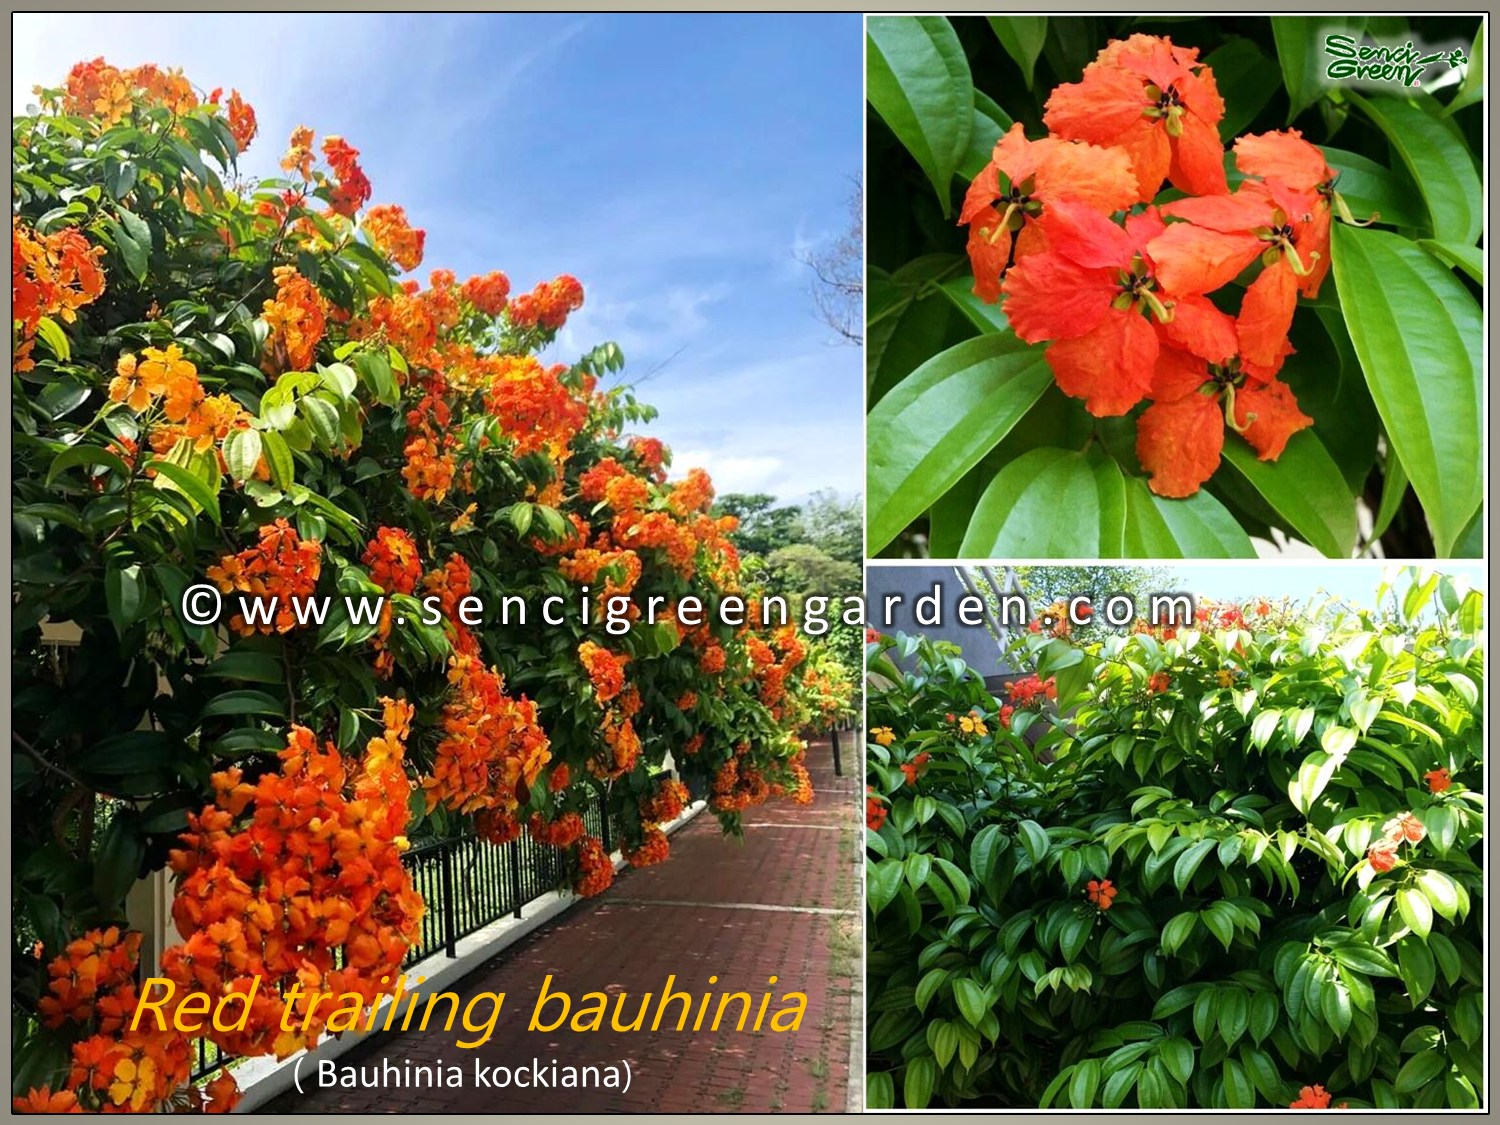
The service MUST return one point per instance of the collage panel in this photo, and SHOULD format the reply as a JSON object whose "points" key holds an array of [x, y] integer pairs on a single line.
{"points": [[1175, 287], [1175, 836]]}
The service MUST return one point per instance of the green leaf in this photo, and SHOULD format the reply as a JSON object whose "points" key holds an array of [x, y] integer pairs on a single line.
{"points": [[1177, 1054], [1370, 188], [1441, 892], [85, 454], [1035, 838], [1022, 37], [1188, 863], [1117, 1087], [921, 1077], [1415, 910], [1439, 163], [1084, 1085], [54, 337], [1391, 493], [1051, 503], [880, 1090], [1471, 90], [990, 124], [936, 424], [971, 1000], [124, 591], [1470, 259], [1366, 959], [1198, 527], [278, 459], [1247, 82], [1239, 1092], [917, 78], [1418, 968], [985, 317], [245, 702], [1418, 334], [190, 484], [252, 667], [1419, 1070], [1299, 47], [242, 453], [1177, 931], [323, 418], [1305, 487]]}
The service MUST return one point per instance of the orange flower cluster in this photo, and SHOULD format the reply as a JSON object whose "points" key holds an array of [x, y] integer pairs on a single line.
{"points": [[651, 453], [1437, 780], [492, 749], [1125, 308], [1158, 683], [739, 783], [497, 826], [913, 768], [278, 875], [1315, 1097], [114, 1069], [875, 809], [665, 803], [606, 670], [534, 408], [548, 305], [393, 561], [563, 832], [281, 565], [596, 872], [242, 124], [713, 660], [1101, 892], [452, 582], [297, 319], [1402, 829], [393, 236], [1025, 692], [654, 848], [430, 464], [487, 294], [190, 413], [351, 191], [50, 275], [96, 89], [403, 321]]}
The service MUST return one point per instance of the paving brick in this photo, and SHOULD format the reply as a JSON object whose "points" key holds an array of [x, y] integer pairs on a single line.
{"points": [[686, 918]]}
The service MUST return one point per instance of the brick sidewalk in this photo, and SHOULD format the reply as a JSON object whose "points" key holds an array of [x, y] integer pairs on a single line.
{"points": [[783, 901]]}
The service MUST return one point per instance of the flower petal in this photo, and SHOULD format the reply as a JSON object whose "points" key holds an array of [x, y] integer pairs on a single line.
{"points": [[1097, 177], [1084, 235], [1111, 367], [1191, 260], [1179, 443], [1266, 314], [1101, 107], [1199, 326], [1050, 297], [1268, 416], [1177, 375], [987, 258], [1198, 158], [1282, 155], [981, 195]]}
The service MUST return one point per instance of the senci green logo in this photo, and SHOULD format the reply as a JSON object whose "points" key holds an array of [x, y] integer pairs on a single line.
{"points": [[1403, 64]]}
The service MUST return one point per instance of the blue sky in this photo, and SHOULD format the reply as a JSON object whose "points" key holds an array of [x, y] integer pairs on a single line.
{"points": [[675, 165], [1354, 581]]}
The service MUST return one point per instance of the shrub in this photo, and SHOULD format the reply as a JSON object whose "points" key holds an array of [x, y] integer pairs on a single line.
{"points": [[224, 377], [1240, 866]]}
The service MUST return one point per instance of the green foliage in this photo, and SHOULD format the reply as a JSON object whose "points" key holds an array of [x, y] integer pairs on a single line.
{"points": [[1229, 781], [1386, 359]]}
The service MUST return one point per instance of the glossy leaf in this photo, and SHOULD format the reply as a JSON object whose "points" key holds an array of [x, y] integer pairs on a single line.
{"points": [[917, 78], [939, 421], [1198, 527], [1022, 37], [1305, 488], [1437, 160], [1050, 503], [1417, 331]]}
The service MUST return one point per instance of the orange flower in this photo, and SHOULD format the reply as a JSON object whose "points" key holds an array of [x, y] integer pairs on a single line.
{"points": [[1312, 1097], [1437, 780], [548, 305], [299, 154], [1101, 893], [1158, 683], [45, 1101], [563, 832], [1404, 828], [50, 275], [281, 565], [1382, 855], [605, 669], [875, 810], [1035, 173], [913, 768], [1093, 293], [1155, 101], [352, 189], [488, 293], [393, 236], [595, 870], [393, 561], [242, 124], [297, 320], [1180, 436]]}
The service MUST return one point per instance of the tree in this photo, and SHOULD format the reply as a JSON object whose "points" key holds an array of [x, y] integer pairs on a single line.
{"points": [[763, 525], [835, 523], [838, 286]]}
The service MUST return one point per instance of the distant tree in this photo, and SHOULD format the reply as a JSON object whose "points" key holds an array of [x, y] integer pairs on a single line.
{"points": [[808, 569], [838, 285], [836, 524], [763, 525], [1044, 585]]}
